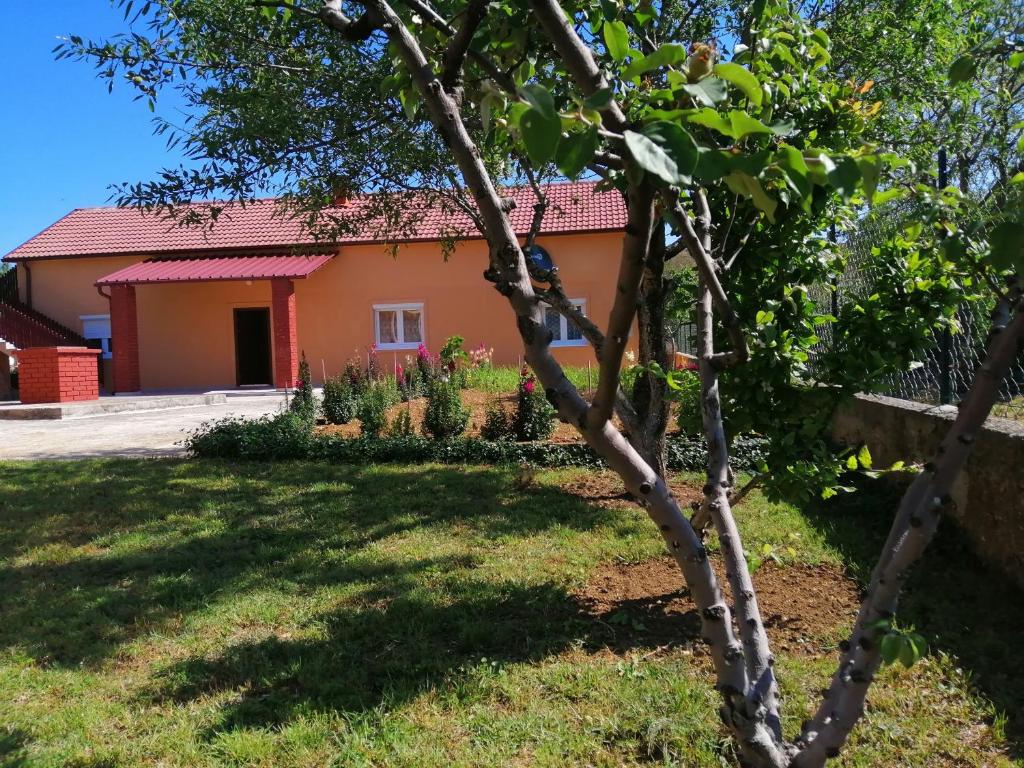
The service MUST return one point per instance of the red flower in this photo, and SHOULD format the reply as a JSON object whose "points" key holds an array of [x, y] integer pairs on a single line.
{"points": [[528, 385]]}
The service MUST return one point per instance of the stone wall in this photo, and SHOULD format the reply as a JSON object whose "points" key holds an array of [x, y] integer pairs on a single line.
{"points": [[989, 495]]}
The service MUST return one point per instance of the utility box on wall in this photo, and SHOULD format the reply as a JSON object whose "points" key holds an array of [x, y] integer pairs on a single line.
{"points": [[58, 374]]}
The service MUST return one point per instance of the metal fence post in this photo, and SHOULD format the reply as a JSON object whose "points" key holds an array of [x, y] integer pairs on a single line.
{"points": [[946, 343]]}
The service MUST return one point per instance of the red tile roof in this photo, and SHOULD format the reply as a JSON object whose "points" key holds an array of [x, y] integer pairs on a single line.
{"points": [[216, 268], [574, 207]]}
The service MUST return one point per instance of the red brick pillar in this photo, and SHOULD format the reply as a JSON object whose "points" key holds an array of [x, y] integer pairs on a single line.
{"points": [[124, 331], [286, 335]]}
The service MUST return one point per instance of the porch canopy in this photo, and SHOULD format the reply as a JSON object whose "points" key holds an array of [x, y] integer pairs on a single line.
{"points": [[208, 268], [280, 269]]}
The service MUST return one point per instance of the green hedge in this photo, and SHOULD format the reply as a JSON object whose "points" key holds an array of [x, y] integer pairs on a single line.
{"points": [[284, 437]]}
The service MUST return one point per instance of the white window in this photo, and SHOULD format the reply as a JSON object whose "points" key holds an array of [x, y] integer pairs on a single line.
{"points": [[564, 332], [398, 326], [96, 330]]}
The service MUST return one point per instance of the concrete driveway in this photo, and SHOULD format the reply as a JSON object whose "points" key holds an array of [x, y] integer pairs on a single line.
{"points": [[132, 433]]}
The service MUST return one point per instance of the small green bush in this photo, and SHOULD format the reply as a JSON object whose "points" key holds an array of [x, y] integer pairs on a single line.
{"points": [[498, 421], [287, 435], [373, 407], [534, 418], [445, 416], [340, 400], [402, 425], [302, 401], [689, 418]]}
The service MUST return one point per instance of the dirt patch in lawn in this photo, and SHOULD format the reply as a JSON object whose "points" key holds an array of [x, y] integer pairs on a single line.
{"points": [[639, 604], [607, 490], [474, 399]]}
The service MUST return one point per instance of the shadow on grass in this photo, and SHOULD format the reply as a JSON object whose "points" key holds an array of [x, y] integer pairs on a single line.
{"points": [[99, 554], [958, 603]]}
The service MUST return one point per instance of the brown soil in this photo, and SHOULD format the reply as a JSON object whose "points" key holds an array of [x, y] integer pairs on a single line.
{"points": [[605, 489], [474, 399], [803, 606]]}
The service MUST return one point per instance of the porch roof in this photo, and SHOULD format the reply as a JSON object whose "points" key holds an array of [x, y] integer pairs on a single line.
{"points": [[207, 269]]}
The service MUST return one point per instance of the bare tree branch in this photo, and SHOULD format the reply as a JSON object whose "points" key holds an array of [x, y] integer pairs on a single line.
{"points": [[706, 269], [458, 45]]}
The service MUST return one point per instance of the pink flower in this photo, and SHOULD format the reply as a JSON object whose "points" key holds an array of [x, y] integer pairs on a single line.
{"points": [[423, 352], [528, 385], [399, 372]]}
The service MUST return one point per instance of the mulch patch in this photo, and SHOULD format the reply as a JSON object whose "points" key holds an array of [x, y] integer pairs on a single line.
{"points": [[641, 606]]}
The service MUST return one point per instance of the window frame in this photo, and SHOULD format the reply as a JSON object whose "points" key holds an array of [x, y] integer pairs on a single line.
{"points": [[399, 307], [106, 343], [563, 326]]}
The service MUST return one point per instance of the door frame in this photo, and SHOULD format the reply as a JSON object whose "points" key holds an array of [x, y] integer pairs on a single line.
{"points": [[270, 342]]}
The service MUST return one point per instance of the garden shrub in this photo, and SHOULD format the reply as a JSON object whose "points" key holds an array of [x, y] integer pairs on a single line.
{"points": [[286, 435], [689, 418], [373, 407], [534, 418], [302, 401], [340, 400], [445, 416], [499, 423], [402, 425]]}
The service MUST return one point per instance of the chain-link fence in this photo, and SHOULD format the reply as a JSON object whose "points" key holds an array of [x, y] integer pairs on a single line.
{"points": [[947, 367]]}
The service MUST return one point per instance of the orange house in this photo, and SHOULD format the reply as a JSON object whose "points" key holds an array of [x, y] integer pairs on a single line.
{"points": [[177, 308]]}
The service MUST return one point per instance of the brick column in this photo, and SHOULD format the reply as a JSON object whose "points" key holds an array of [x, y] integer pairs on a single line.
{"points": [[286, 336], [124, 330]]}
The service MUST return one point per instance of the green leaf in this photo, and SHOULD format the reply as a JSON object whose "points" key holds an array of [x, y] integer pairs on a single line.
{"points": [[746, 185], [540, 134], [864, 457], [1016, 59], [962, 69], [410, 99], [743, 79], [679, 145], [667, 55], [891, 645], [539, 98], [870, 169], [576, 151], [844, 176], [1006, 246], [599, 99], [910, 651], [712, 164], [708, 92], [616, 37], [745, 125], [851, 462], [709, 118], [652, 157]]}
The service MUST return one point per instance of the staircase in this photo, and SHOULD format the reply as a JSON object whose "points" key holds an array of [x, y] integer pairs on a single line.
{"points": [[22, 327]]}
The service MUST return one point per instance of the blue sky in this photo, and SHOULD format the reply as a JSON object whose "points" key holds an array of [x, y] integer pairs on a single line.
{"points": [[63, 138]]}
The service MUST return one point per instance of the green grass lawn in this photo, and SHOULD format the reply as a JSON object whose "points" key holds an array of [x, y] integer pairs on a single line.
{"points": [[174, 613]]}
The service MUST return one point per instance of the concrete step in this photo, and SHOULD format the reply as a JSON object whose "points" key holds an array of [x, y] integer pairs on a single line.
{"points": [[107, 405]]}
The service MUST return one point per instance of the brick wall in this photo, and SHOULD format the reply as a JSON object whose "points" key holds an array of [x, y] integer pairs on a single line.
{"points": [[58, 374], [286, 336], [124, 329]]}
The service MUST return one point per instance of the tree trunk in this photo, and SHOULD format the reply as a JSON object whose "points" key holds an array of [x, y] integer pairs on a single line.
{"points": [[649, 392]]}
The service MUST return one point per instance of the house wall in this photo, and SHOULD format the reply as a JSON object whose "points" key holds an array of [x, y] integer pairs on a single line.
{"points": [[65, 289], [335, 304], [186, 333]]}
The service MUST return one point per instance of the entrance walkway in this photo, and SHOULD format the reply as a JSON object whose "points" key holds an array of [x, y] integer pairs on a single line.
{"points": [[135, 433]]}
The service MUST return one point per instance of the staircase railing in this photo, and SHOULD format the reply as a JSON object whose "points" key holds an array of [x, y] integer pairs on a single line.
{"points": [[25, 327]]}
